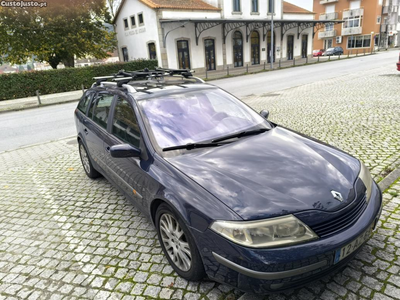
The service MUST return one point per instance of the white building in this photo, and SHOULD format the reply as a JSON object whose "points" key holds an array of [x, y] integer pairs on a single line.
{"points": [[213, 34]]}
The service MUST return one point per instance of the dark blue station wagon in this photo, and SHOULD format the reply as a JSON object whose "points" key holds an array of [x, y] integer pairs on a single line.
{"points": [[233, 196]]}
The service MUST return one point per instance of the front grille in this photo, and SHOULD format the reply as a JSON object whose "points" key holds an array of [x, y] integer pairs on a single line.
{"points": [[346, 219]]}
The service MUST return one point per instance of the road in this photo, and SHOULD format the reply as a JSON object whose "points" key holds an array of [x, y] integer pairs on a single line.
{"points": [[50, 123]]}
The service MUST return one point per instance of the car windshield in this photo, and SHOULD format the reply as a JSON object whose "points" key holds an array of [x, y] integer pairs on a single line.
{"points": [[197, 116], [330, 49]]}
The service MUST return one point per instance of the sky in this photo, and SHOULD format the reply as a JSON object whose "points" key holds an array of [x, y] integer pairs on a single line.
{"points": [[306, 4]]}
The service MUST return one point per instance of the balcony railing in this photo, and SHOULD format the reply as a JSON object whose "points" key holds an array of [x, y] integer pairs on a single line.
{"points": [[327, 1], [353, 13], [385, 10], [351, 30], [390, 9], [329, 16], [326, 34]]}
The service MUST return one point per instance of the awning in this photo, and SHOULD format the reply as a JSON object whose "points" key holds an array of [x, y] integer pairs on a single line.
{"points": [[228, 25]]}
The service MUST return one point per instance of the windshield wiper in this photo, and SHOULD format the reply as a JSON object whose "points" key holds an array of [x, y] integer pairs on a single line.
{"points": [[191, 146], [240, 134]]}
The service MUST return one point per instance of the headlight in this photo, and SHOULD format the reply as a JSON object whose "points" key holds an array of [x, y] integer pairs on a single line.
{"points": [[275, 232], [366, 178]]}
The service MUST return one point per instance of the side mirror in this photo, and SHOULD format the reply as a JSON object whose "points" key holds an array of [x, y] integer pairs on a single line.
{"points": [[124, 150], [264, 113]]}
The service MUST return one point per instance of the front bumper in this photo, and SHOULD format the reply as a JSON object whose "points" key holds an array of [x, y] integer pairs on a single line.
{"points": [[269, 270]]}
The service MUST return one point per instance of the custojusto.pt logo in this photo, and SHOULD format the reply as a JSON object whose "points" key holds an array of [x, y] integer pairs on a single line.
{"points": [[23, 4]]}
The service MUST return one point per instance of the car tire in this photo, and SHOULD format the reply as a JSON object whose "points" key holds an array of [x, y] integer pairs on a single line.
{"points": [[86, 162], [174, 236]]}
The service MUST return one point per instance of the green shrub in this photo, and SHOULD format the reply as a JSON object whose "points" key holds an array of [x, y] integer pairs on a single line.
{"points": [[25, 84]]}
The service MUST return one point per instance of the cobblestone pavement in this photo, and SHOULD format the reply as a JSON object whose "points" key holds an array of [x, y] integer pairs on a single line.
{"points": [[63, 235]]}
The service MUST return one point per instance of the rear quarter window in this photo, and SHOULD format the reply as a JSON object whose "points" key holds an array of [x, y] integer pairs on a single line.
{"points": [[84, 102]]}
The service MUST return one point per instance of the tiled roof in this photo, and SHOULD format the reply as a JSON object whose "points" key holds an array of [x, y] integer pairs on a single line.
{"points": [[180, 4], [289, 8]]}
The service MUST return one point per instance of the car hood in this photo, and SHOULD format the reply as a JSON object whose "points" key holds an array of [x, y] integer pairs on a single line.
{"points": [[274, 173]]}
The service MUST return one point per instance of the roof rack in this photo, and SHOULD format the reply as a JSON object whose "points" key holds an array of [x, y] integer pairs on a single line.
{"points": [[146, 77]]}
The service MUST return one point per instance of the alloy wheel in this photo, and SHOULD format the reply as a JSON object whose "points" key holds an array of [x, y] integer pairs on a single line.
{"points": [[84, 158], [175, 242]]}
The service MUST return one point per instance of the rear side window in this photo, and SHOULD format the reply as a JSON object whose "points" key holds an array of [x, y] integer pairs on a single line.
{"points": [[102, 104], [83, 104], [125, 125]]}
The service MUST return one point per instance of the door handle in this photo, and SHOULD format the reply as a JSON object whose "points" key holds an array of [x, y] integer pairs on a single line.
{"points": [[86, 131]]}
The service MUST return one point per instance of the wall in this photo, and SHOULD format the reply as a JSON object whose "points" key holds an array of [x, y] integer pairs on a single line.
{"points": [[136, 39], [245, 6], [372, 9]]}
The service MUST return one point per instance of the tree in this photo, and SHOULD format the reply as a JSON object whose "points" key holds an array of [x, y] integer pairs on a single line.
{"points": [[63, 30]]}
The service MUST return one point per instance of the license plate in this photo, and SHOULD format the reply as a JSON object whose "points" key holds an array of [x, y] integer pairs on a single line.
{"points": [[352, 246]]}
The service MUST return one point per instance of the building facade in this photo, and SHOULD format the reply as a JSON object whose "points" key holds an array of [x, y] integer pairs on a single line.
{"points": [[361, 27], [390, 26], [213, 34]]}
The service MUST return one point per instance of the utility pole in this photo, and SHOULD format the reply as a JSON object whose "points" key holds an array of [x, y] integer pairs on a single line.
{"points": [[272, 35]]}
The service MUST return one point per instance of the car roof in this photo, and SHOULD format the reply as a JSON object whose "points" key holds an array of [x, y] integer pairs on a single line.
{"points": [[156, 90], [164, 90]]}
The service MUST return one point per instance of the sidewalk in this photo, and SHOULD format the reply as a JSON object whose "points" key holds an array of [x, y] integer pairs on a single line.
{"points": [[278, 64], [31, 102]]}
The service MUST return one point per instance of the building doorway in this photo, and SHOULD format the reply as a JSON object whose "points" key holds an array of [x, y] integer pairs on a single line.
{"points": [[183, 54], [255, 48], [328, 43], [269, 47], [209, 46], [289, 44], [304, 45], [237, 49]]}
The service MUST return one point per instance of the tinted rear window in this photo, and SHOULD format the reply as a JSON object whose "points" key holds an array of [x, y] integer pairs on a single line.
{"points": [[83, 104]]}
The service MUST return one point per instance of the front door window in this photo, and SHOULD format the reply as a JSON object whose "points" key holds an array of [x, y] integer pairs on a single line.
{"points": [[237, 49], [210, 54], [183, 55], [255, 48]]}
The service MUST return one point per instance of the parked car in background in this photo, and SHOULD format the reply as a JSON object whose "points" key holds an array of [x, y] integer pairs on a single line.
{"points": [[318, 52], [333, 51], [233, 196], [398, 64]]}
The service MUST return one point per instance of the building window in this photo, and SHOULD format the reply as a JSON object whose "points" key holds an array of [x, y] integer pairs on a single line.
{"points": [[255, 48], [359, 41], [125, 56], [152, 51], [133, 21], [254, 5], [271, 8], [141, 20], [126, 24], [236, 5], [183, 54], [237, 49], [378, 19], [329, 27], [352, 22]]}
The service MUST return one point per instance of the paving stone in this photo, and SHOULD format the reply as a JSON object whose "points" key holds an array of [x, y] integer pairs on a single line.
{"points": [[71, 237], [392, 291]]}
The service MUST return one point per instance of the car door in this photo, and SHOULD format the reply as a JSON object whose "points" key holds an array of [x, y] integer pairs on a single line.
{"points": [[127, 173], [95, 127]]}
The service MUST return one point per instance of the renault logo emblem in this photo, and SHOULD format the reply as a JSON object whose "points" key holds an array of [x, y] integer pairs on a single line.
{"points": [[337, 196]]}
